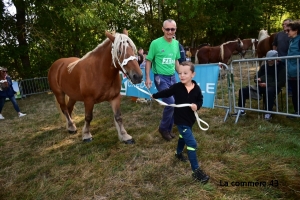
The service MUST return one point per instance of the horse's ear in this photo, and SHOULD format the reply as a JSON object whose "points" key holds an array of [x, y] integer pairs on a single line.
{"points": [[125, 31], [110, 36]]}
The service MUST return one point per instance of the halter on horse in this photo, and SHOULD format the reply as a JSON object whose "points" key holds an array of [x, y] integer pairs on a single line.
{"points": [[95, 78], [217, 54]]}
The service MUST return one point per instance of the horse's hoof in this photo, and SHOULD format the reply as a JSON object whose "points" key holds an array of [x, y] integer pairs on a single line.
{"points": [[131, 141], [87, 140], [72, 132]]}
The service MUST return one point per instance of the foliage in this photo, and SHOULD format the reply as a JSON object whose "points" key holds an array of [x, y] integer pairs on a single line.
{"points": [[43, 30]]}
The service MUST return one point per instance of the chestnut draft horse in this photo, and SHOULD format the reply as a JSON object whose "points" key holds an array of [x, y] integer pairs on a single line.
{"points": [[264, 43], [95, 78], [215, 54]]}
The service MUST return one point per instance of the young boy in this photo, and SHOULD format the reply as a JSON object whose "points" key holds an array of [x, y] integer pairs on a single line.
{"points": [[186, 91]]}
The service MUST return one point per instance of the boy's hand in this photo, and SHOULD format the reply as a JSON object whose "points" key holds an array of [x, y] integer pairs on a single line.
{"points": [[194, 107]]}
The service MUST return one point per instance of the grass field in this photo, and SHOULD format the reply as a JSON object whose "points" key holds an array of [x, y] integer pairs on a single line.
{"points": [[253, 159]]}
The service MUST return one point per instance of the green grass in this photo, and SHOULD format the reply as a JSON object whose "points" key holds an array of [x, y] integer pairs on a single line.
{"points": [[41, 160]]}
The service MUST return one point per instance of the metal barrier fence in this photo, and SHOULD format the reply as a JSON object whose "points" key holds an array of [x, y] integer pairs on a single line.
{"points": [[223, 96], [34, 86], [243, 72]]}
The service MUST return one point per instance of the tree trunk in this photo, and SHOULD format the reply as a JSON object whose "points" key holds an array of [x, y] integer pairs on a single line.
{"points": [[22, 36]]}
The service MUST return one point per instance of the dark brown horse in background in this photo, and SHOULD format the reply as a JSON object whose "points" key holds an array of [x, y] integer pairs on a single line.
{"points": [[215, 54], [193, 50], [95, 78], [265, 43], [248, 44]]}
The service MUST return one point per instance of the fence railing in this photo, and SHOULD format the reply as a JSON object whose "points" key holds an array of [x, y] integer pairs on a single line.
{"points": [[244, 71], [34, 86]]}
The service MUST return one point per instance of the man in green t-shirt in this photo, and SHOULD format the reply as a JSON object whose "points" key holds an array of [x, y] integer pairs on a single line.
{"points": [[163, 58]]}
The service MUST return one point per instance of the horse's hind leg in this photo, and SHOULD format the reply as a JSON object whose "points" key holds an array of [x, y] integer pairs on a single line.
{"points": [[61, 99], [70, 124], [88, 106], [122, 133]]}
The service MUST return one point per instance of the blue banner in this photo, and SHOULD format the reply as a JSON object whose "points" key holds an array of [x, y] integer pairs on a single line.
{"points": [[206, 77]]}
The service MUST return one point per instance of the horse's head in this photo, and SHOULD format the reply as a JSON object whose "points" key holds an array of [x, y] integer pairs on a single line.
{"points": [[124, 56], [240, 46]]}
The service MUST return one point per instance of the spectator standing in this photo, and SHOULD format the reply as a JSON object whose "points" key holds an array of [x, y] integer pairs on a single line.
{"points": [[8, 92], [182, 52], [140, 55], [281, 44], [163, 58], [293, 31]]}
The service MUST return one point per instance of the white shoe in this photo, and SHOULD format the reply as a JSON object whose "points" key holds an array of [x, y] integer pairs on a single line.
{"points": [[1, 116], [268, 117], [21, 114]]}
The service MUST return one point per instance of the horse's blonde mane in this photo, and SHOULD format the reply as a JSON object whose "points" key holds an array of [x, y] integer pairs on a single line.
{"points": [[262, 35], [120, 40]]}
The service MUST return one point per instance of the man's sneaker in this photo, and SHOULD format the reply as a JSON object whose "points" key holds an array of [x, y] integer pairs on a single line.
{"points": [[181, 157], [243, 113], [268, 117], [21, 114], [1, 116], [200, 176]]}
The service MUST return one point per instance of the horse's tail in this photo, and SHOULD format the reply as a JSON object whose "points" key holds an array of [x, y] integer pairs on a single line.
{"points": [[196, 57], [62, 116]]}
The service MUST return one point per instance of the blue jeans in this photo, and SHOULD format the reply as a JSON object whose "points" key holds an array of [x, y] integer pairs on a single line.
{"points": [[187, 138], [13, 101], [163, 82]]}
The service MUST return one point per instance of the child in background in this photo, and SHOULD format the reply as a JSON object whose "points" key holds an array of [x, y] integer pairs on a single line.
{"points": [[186, 91]]}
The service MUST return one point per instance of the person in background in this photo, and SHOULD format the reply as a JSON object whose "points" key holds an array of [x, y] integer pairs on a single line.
{"points": [[182, 52], [163, 58], [293, 31], [8, 92], [281, 44], [140, 55], [143, 64], [186, 91], [268, 84], [188, 55]]}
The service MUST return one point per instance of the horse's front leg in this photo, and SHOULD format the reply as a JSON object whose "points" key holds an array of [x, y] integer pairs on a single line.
{"points": [[122, 133], [89, 106]]}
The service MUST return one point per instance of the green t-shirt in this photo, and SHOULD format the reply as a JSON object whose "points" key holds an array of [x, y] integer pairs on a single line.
{"points": [[163, 55]]}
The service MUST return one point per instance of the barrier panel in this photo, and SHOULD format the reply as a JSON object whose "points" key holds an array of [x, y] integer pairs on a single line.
{"points": [[243, 72], [34, 86], [211, 79]]}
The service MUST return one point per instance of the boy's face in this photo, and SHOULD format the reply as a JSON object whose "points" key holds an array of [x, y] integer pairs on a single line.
{"points": [[185, 74]]}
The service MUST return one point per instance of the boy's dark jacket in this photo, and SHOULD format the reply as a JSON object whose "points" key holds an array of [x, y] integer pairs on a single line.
{"points": [[183, 115]]}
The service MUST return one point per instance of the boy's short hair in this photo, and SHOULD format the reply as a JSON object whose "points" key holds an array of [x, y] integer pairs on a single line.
{"points": [[188, 63]]}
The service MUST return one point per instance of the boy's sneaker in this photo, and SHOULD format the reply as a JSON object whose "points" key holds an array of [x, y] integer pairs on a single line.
{"points": [[268, 117], [181, 157], [200, 176], [243, 113], [1, 116], [21, 114]]}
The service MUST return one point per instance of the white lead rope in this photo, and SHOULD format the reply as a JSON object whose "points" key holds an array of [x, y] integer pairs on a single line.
{"points": [[180, 105]]}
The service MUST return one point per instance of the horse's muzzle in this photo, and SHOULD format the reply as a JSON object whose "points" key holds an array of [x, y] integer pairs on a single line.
{"points": [[136, 78]]}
